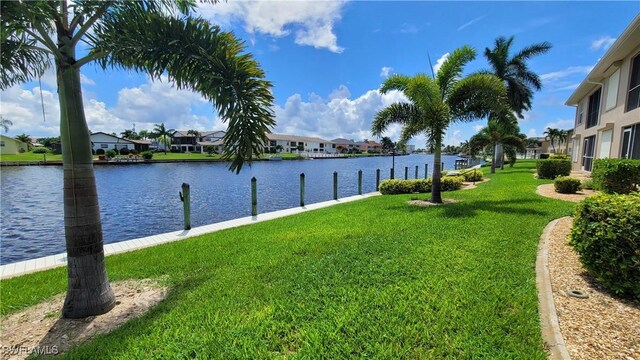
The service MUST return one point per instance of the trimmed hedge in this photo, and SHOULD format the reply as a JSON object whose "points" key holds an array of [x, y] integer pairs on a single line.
{"points": [[393, 187], [559, 156], [552, 168], [567, 185], [147, 155], [588, 184], [606, 236], [40, 150], [472, 175], [616, 176]]}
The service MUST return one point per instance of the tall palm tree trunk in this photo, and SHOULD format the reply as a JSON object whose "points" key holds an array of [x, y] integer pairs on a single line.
{"points": [[436, 195], [88, 290], [495, 158]]}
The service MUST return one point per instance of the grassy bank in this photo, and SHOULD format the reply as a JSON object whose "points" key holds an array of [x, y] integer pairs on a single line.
{"points": [[371, 278]]}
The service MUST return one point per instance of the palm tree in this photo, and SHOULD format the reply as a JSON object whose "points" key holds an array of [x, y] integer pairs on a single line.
{"points": [[143, 134], [164, 134], [386, 144], [551, 135], [498, 132], [130, 134], [158, 37], [279, 148], [519, 80], [562, 138], [195, 133], [434, 103], [25, 139], [4, 124]]}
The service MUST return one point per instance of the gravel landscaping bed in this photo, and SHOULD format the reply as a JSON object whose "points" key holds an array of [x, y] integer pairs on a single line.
{"points": [[600, 326], [548, 190]]}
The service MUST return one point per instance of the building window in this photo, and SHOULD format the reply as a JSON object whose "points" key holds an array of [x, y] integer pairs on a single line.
{"points": [[631, 142], [272, 143], [588, 152], [612, 90], [633, 99], [1, 143], [580, 114], [594, 109], [104, 146]]}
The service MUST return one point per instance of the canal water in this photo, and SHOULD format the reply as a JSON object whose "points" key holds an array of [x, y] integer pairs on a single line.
{"points": [[143, 200]]}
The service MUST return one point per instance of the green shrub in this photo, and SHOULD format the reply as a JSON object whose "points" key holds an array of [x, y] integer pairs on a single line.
{"points": [[559, 156], [567, 185], [588, 184], [606, 236], [147, 155], [133, 152], [451, 183], [472, 175], [111, 153], [100, 152], [124, 151], [552, 168], [40, 150], [620, 176], [392, 187], [544, 156]]}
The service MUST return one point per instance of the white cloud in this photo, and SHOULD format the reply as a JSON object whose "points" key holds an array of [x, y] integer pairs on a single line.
{"points": [[385, 71], [336, 116], [342, 92], [145, 105], [477, 128], [439, 63], [603, 42], [559, 75], [409, 29], [312, 22], [467, 24], [453, 137], [560, 124]]}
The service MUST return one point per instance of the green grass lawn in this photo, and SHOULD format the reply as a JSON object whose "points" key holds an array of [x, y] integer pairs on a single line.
{"points": [[373, 278], [28, 157]]}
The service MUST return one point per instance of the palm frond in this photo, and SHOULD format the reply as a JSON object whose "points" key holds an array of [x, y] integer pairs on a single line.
{"points": [[199, 56], [476, 96], [395, 82], [533, 50], [22, 59], [451, 69], [400, 113]]}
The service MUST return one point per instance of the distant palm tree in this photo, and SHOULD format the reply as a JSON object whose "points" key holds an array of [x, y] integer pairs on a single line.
{"points": [[195, 133], [4, 124], [163, 134], [562, 138], [551, 135], [386, 144], [130, 134], [436, 102], [519, 80], [279, 148], [25, 139], [144, 134], [497, 132]]}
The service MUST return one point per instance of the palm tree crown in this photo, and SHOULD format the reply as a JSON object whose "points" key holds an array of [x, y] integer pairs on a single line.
{"points": [[519, 80], [498, 132], [434, 103], [164, 134]]}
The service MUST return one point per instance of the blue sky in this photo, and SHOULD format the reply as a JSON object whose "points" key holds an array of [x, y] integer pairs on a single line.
{"points": [[327, 60]]}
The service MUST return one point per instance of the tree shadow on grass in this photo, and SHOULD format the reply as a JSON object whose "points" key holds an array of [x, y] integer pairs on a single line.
{"points": [[470, 208]]}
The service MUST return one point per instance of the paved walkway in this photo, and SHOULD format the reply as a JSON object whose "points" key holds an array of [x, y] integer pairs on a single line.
{"points": [[48, 262]]}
